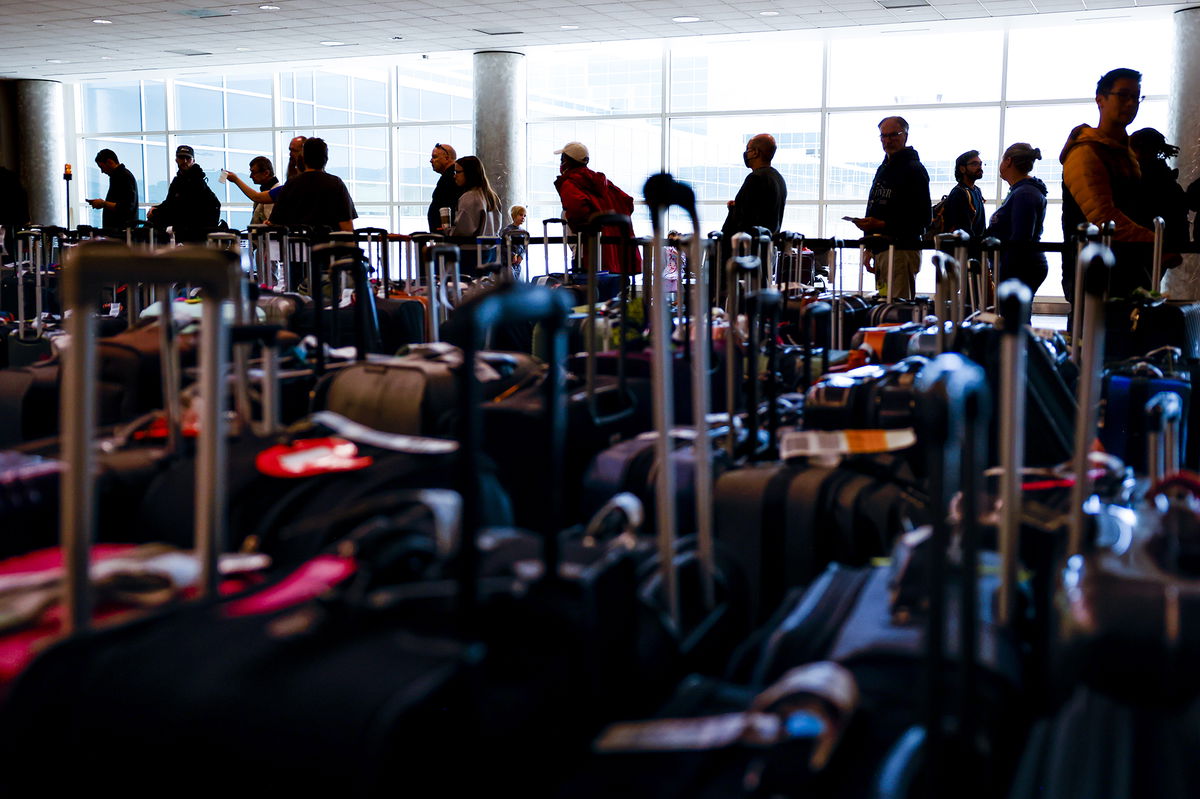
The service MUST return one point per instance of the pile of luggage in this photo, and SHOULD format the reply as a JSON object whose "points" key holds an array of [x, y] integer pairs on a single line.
{"points": [[737, 533]]}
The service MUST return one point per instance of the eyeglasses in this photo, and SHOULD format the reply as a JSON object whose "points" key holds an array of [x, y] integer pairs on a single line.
{"points": [[896, 135], [441, 147], [1126, 97], [975, 163]]}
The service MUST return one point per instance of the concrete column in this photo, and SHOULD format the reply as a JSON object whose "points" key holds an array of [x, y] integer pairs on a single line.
{"points": [[500, 117], [34, 145], [1183, 282]]}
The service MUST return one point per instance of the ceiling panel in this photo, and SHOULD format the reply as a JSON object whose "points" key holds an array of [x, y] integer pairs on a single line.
{"points": [[143, 30]]}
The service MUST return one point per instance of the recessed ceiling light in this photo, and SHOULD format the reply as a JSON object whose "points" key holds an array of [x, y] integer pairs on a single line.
{"points": [[333, 44], [685, 19], [102, 21], [569, 27], [768, 13], [242, 49], [234, 11], [55, 61], [106, 58], [268, 8]]}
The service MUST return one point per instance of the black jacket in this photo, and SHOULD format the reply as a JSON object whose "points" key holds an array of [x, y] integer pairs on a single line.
{"points": [[122, 190], [191, 207], [445, 195], [900, 196], [964, 211], [759, 203]]}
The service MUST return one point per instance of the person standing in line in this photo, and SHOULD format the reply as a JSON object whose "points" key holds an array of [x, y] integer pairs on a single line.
{"points": [[190, 208], [1019, 219], [518, 214], [14, 212], [120, 204], [898, 208], [314, 197], [762, 197], [262, 172], [1161, 193], [447, 191], [964, 204], [295, 156], [584, 193], [1102, 181], [478, 212]]}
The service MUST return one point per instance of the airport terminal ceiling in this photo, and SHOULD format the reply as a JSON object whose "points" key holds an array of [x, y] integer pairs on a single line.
{"points": [[81, 39]]}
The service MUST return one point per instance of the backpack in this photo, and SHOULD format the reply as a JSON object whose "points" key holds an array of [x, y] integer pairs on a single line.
{"points": [[939, 225]]}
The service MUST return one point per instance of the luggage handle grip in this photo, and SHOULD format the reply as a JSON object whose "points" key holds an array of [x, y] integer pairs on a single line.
{"points": [[1093, 267], [533, 304], [88, 267], [1013, 301]]}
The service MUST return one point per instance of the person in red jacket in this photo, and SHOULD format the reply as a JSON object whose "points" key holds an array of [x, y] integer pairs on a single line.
{"points": [[584, 193]]}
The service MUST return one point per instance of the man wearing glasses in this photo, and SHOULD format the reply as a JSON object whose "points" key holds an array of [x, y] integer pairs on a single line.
{"points": [[446, 192], [898, 208], [964, 203], [1101, 179]]}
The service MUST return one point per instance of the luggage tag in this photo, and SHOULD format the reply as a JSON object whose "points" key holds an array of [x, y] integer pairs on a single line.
{"points": [[835, 443], [308, 457]]}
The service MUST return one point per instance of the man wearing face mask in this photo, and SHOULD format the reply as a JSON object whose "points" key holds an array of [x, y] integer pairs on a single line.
{"points": [[760, 200]]}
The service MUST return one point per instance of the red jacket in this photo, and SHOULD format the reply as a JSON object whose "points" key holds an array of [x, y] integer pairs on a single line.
{"points": [[585, 193]]}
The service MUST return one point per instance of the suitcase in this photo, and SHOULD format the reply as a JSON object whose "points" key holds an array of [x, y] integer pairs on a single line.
{"points": [[1126, 721], [1126, 389], [357, 687]]}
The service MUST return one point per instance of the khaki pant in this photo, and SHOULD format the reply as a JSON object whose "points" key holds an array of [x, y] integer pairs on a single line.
{"points": [[908, 263]]}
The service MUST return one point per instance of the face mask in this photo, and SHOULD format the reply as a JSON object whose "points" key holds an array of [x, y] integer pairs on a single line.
{"points": [[746, 159]]}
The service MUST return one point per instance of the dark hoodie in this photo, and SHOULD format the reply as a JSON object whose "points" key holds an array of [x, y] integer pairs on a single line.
{"points": [[191, 207], [584, 193], [900, 196], [1017, 221]]}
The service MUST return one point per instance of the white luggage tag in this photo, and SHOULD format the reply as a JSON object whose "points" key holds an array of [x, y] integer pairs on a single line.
{"points": [[825, 443]]}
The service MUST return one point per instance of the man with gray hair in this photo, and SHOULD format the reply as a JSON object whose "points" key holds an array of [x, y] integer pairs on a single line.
{"points": [[898, 207]]}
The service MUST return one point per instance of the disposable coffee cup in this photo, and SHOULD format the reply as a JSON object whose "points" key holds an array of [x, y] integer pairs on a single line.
{"points": [[223, 176], [445, 212]]}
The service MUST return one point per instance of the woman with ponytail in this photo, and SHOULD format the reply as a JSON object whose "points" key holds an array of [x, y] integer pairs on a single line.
{"points": [[1019, 219]]}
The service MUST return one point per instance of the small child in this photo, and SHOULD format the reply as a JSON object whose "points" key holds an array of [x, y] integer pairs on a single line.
{"points": [[518, 248]]}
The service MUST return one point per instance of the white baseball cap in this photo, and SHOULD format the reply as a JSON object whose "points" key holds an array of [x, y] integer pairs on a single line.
{"points": [[574, 150]]}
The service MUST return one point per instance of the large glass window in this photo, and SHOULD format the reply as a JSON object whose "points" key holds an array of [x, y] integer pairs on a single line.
{"points": [[781, 73], [1081, 51], [125, 106], [597, 80], [900, 68]]}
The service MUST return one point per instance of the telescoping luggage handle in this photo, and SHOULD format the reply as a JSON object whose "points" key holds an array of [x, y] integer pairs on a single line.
{"points": [[1164, 413], [1156, 264], [595, 227], [661, 192], [1094, 266], [946, 271], [346, 257], [953, 409], [1013, 301], [1084, 233], [522, 304], [566, 249], [90, 266]]}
